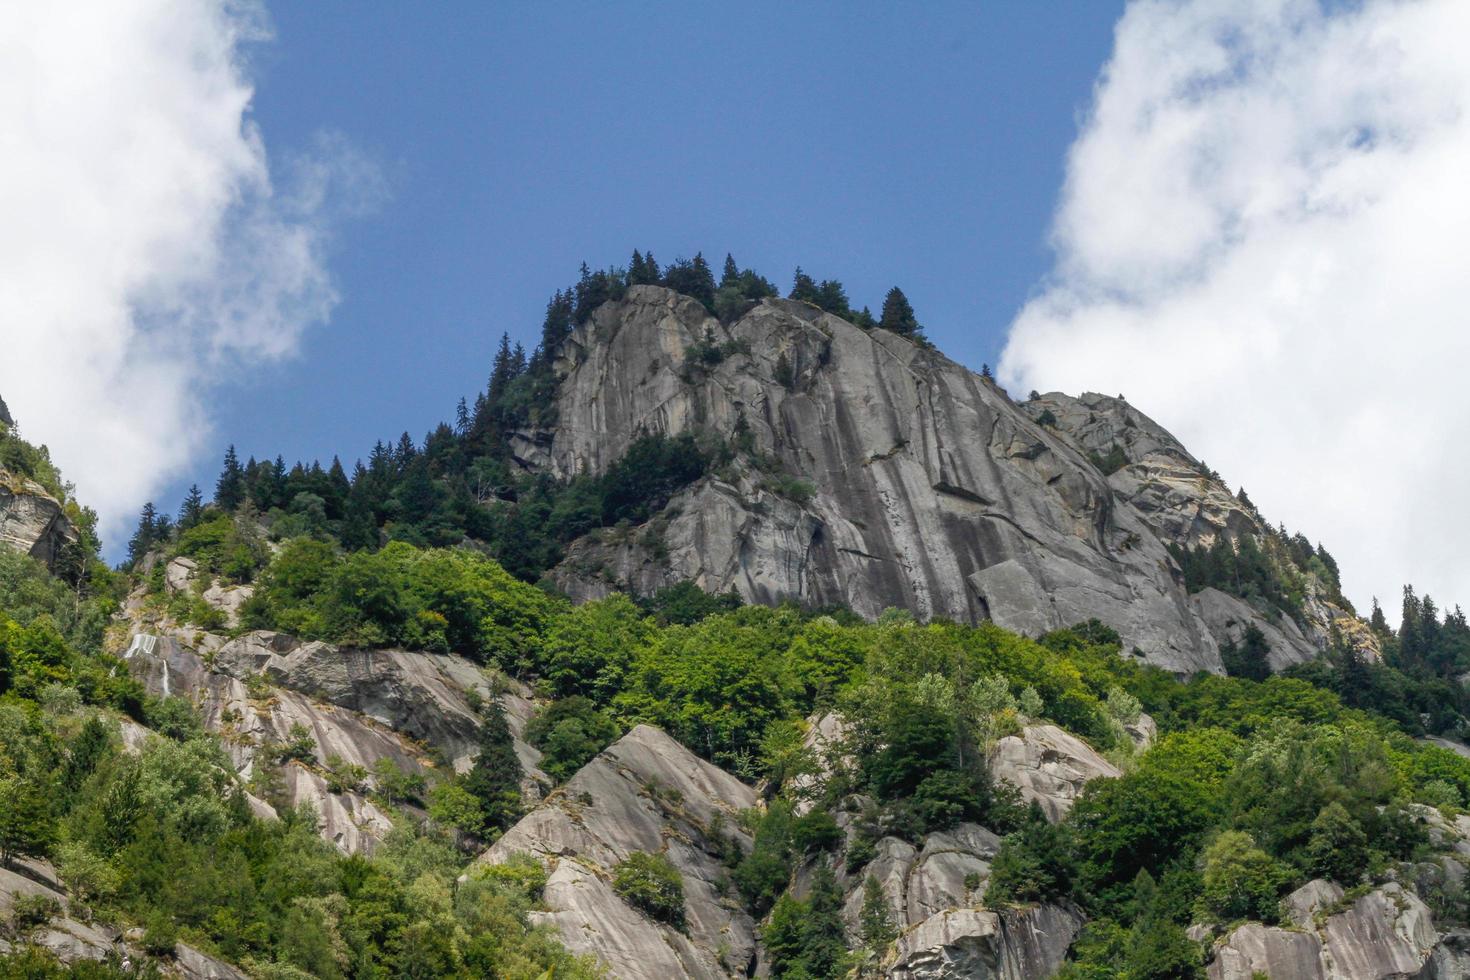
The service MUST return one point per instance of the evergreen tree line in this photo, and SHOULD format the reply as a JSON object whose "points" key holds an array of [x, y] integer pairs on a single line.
{"points": [[462, 481]]}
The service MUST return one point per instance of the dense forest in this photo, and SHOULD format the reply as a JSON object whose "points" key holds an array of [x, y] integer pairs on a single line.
{"points": [[1256, 784]]}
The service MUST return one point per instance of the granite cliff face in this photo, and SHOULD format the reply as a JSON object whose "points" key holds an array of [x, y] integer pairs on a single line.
{"points": [[31, 520], [879, 473]]}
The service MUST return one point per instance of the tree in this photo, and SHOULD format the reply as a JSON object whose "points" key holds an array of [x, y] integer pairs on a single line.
{"points": [[495, 779], [1337, 848], [803, 287], [731, 274], [1241, 881], [1035, 864], [898, 314], [1249, 657], [229, 490], [27, 828], [876, 919], [145, 536], [191, 512]]}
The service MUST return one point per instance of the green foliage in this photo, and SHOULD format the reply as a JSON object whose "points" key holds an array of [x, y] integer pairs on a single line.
{"points": [[651, 884], [569, 733], [1034, 864], [495, 778], [805, 939], [1337, 847], [1241, 881], [1110, 462]]}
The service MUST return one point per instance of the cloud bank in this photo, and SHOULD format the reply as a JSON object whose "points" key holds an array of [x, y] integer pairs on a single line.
{"points": [[1261, 242], [146, 252]]}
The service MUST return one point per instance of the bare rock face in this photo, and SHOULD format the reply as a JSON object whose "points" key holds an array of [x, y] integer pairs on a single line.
{"points": [[1387, 934], [180, 574], [1049, 766], [73, 941], [645, 792], [978, 944], [31, 520], [1185, 504], [926, 487], [357, 707], [1228, 617]]}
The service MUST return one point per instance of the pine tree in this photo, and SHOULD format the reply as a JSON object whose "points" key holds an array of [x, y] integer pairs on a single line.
{"points": [[461, 417], [144, 537], [1377, 620], [731, 274], [637, 270], [495, 778], [803, 287], [898, 314], [229, 491], [655, 276], [191, 512]]}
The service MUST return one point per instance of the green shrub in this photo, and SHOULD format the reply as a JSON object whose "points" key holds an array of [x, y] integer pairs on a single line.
{"points": [[651, 884]]}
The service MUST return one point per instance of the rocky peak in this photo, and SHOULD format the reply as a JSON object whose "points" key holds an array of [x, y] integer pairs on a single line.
{"points": [[874, 472]]}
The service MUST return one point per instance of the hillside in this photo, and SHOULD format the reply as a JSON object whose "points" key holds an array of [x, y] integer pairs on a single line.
{"points": [[726, 635]]}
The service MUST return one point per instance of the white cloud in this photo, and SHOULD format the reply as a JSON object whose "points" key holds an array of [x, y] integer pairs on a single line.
{"points": [[1262, 242], [146, 254]]}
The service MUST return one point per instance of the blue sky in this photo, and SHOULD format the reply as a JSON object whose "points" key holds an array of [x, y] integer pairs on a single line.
{"points": [[874, 143]]}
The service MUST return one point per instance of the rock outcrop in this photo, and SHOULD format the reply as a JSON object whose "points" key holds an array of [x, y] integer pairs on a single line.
{"points": [[879, 474], [978, 944], [31, 520], [261, 690], [1187, 504], [1386, 934], [644, 793], [1049, 766], [72, 940]]}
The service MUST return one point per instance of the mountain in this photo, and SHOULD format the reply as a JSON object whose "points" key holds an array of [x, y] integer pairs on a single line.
{"points": [[873, 472], [758, 642]]}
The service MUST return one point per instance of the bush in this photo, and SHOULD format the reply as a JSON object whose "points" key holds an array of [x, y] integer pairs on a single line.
{"points": [[1241, 881], [651, 884], [569, 733]]}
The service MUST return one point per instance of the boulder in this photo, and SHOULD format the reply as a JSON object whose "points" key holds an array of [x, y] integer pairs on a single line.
{"points": [[645, 792], [72, 941], [1301, 906], [1049, 766], [977, 944]]}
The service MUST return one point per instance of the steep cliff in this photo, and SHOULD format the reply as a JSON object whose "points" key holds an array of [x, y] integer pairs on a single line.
{"points": [[871, 471], [32, 521]]}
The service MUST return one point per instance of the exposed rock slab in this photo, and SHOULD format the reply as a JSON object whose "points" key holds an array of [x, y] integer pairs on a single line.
{"points": [[977, 944], [1387, 934], [72, 941], [31, 520], [645, 792], [931, 490], [1049, 766]]}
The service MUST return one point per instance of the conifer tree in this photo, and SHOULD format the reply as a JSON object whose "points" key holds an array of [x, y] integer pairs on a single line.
{"points": [[146, 534], [803, 287], [898, 314], [229, 491], [495, 778], [191, 512], [731, 274]]}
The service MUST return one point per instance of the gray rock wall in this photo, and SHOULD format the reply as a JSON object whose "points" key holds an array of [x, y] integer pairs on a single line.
{"points": [[931, 490]]}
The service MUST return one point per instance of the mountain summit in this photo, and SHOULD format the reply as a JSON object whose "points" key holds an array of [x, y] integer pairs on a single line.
{"points": [[866, 469]]}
